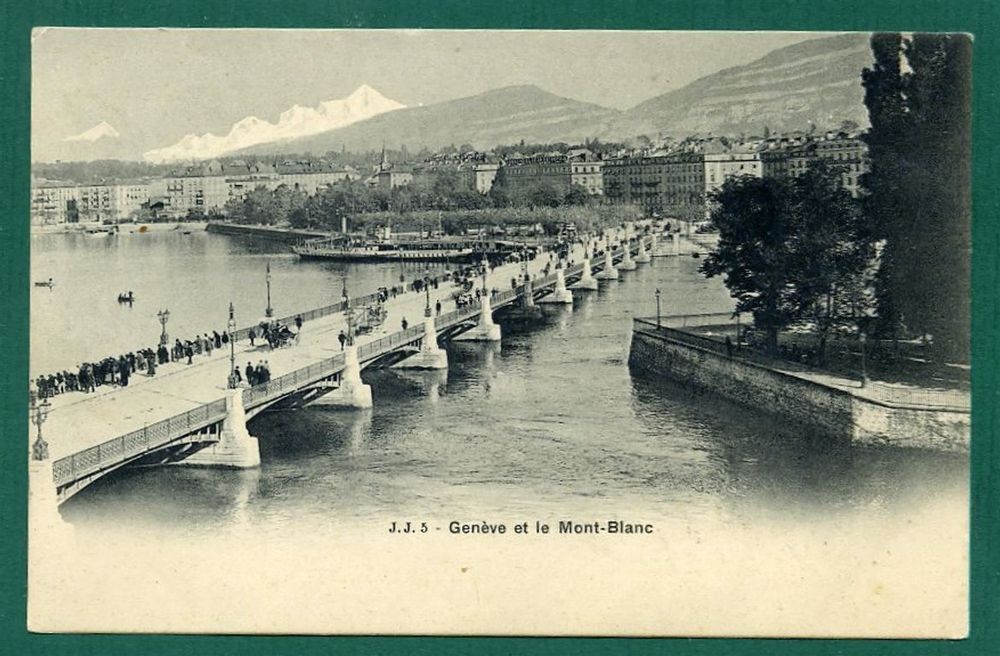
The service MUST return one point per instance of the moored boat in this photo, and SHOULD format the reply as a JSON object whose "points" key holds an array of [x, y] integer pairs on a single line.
{"points": [[338, 249]]}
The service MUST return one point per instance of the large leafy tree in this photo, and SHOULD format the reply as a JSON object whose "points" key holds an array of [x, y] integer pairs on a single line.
{"points": [[791, 250], [832, 250], [754, 253]]}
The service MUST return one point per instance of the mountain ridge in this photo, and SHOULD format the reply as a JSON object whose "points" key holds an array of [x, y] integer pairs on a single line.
{"points": [[295, 122], [523, 111], [814, 82]]}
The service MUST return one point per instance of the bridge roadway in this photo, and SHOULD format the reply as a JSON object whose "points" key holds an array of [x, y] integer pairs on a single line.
{"points": [[91, 434]]}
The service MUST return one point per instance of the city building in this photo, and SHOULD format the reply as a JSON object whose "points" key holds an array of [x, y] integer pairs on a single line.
{"points": [[311, 176], [558, 170], [61, 202], [848, 153], [474, 171], [51, 202], [724, 163], [389, 176], [668, 184]]}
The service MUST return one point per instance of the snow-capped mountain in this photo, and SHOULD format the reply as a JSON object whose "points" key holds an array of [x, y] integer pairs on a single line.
{"points": [[100, 131], [295, 122]]}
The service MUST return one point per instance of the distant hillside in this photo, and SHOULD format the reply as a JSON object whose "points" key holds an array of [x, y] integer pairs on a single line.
{"points": [[501, 116], [816, 81]]}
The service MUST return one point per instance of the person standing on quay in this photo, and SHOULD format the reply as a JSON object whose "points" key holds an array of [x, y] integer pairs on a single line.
{"points": [[405, 323], [252, 335], [343, 339]]}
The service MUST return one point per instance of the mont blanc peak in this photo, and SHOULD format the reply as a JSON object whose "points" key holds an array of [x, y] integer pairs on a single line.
{"points": [[296, 121]]}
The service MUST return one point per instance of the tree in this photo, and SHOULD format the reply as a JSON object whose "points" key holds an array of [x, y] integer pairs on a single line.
{"points": [[754, 254], [886, 202], [919, 185], [832, 250], [576, 195], [544, 195], [791, 250]]}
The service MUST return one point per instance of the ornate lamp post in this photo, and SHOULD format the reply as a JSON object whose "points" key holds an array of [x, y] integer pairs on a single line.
{"points": [[486, 269], [232, 347], [163, 316], [349, 315], [427, 294], [269, 312], [38, 412], [657, 307], [864, 359]]}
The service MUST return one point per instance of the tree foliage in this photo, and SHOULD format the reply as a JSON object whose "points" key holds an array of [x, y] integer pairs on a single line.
{"points": [[790, 250], [918, 201]]}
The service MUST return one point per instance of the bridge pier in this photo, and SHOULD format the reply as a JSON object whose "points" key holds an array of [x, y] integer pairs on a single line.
{"points": [[677, 243], [236, 448], [560, 294], [484, 331], [352, 393], [609, 272], [430, 355], [643, 257], [47, 530], [587, 280], [627, 264]]}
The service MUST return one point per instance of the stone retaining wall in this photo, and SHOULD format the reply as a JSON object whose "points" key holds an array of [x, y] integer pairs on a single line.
{"points": [[836, 412]]}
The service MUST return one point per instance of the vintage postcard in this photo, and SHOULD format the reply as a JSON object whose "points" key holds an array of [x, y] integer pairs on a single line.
{"points": [[434, 332]]}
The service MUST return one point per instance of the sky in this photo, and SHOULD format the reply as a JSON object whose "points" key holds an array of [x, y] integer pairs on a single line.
{"points": [[156, 85]]}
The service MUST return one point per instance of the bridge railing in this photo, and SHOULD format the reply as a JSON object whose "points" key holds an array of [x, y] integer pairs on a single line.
{"points": [[282, 385], [131, 445]]}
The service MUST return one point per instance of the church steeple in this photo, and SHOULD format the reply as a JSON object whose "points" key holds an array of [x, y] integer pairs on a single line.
{"points": [[383, 164]]}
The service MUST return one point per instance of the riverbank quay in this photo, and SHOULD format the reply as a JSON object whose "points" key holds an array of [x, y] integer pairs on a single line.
{"points": [[287, 235], [838, 407], [122, 228]]}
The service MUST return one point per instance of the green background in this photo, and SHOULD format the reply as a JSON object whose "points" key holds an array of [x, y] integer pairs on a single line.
{"points": [[17, 17]]}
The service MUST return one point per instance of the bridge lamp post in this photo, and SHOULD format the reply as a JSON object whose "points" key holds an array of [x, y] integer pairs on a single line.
{"points": [[348, 312], [233, 383], [657, 307], [163, 316], [427, 294], [38, 412], [269, 312], [349, 316]]}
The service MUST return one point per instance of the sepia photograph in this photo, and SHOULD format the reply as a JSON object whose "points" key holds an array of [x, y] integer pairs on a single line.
{"points": [[499, 332]]}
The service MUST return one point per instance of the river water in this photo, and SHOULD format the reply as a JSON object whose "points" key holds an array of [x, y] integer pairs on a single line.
{"points": [[550, 421]]}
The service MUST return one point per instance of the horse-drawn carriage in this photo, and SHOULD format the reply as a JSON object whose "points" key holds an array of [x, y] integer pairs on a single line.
{"points": [[276, 333]]}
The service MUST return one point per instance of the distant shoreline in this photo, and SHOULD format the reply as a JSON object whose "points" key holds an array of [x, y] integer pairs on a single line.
{"points": [[123, 228]]}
